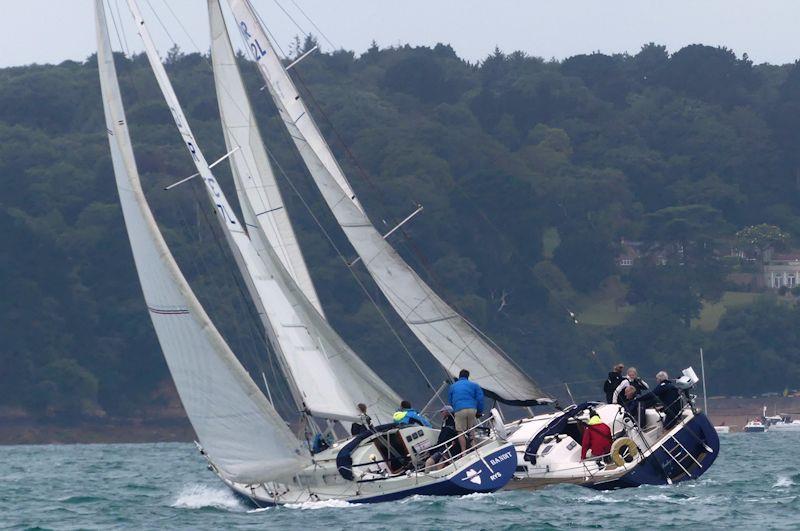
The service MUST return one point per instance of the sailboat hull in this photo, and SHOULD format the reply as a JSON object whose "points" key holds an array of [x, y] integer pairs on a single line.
{"points": [[684, 455], [478, 472], [662, 457]]}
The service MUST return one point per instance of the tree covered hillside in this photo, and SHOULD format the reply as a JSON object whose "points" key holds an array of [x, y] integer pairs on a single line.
{"points": [[532, 175]]}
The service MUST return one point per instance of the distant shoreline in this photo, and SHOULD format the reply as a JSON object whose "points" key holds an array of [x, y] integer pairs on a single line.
{"points": [[26, 430]]}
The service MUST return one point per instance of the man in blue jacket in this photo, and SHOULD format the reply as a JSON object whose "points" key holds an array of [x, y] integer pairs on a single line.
{"points": [[467, 400], [407, 415]]}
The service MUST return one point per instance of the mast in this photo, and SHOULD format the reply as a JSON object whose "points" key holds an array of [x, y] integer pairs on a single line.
{"points": [[703, 373], [240, 431], [452, 340]]}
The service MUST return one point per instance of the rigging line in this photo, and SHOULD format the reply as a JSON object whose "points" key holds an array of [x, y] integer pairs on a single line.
{"points": [[302, 30], [333, 46], [183, 28], [344, 259], [160, 21], [116, 28], [119, 15]]}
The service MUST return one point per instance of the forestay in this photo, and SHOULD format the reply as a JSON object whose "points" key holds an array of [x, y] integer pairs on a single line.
{"points": [[242, 134], [454, 342], [239, 429], [309, 366]]}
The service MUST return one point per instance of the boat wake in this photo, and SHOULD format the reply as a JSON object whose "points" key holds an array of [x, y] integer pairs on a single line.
{"points": [[783, 482], [327, 504], [197, 496]]}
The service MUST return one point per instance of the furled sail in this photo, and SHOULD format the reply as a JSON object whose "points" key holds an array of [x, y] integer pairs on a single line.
{"points": [[252, 171], [272, 232], [239, 429], [310, 367], [454, 342]]}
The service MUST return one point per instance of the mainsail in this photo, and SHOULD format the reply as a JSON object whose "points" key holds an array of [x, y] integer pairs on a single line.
{"points": [[252, 171], [238, 428], [272, 233], [453, 341], [313, 370]]}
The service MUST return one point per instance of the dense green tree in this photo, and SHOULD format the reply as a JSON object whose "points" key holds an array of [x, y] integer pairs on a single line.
{"points": [[677, 151]]}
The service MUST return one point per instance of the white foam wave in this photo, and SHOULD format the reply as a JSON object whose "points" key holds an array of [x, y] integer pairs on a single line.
{"points": [[197, 496], [476, 495], [783, 482], [327, 504]]}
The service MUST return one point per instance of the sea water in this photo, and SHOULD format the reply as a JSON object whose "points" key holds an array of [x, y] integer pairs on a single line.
{"points": [[755, 484]]}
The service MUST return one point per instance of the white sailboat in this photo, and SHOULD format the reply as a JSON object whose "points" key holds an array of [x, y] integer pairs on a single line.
{"points": [[452, 340], [246, 442]]}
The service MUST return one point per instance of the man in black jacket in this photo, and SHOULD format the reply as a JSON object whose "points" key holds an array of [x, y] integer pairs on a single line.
{"points": [[666, 393], [613, 380]]}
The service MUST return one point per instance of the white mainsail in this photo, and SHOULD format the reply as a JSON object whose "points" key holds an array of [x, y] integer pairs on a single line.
{"points": [[238, 428], [252, 171], [454, 342], [272, 233], [312, 369]]}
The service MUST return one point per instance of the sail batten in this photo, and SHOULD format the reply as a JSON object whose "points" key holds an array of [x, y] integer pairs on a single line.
{"points": [[217, 393], [454, 342]]}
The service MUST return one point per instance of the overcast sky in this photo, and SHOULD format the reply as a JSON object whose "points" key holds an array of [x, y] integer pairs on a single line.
{"points": [[49, 31]]}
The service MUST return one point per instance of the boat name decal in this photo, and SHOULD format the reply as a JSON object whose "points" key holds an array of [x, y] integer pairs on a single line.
{"points": [[500, 458]]}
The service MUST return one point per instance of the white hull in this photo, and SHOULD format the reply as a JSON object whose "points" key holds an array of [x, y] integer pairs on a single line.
{"points": [[723, 429], [558, 459], [785, 426]]}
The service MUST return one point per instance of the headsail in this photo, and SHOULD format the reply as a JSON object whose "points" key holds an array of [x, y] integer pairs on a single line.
{"points": [[454, 342], [239, 429], [309, 365]]}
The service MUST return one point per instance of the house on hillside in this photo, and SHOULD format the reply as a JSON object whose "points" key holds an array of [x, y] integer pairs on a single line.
{"points": [[781, 270]]}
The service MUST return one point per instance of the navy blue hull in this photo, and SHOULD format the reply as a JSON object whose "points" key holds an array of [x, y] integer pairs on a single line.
{"points": [[698, 437]]}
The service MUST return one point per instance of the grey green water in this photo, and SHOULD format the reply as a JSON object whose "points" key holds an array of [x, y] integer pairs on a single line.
{"points": [[755, 484]]}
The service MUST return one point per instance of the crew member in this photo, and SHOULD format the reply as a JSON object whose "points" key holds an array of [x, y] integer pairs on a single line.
{"points": [[443, 451], [407, 415], [596, 439], [365, 421], [631, 380], [668, 395], [467, 400], [615, 377]]}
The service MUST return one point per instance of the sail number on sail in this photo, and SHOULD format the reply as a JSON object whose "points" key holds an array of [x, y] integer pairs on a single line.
{"points": [[255, 47]]}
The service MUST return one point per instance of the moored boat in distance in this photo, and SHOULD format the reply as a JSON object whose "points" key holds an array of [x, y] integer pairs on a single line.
{"points": [[755, 426]]}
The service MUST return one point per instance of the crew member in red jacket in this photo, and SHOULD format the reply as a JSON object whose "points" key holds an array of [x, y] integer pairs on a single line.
{"points": [[596, 438]]}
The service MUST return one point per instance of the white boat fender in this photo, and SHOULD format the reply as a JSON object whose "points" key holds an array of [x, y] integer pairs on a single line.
{"points": [[499, 425], [624, 451]]}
